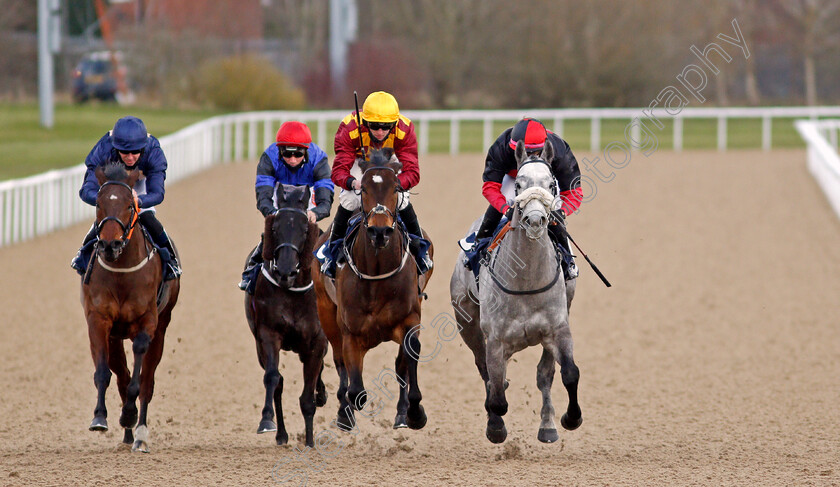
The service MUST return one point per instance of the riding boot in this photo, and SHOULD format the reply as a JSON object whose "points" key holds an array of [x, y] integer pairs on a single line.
{"points": [[254, 259], [79, 262], [491, 220], [560, 238], [412, 226], [174, 267], [339, 229]]}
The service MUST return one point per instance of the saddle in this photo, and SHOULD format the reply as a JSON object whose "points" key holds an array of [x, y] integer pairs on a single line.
{"points": [[337, 250], [85, 258], [476, 255]]}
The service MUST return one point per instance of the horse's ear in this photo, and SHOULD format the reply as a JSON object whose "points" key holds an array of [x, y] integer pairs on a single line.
{"points": [[305, 194], [363, 164], [268, 238], [393, 162], [548, 152], [520, 153], [133, 176], [99, 172], [281, 192]]}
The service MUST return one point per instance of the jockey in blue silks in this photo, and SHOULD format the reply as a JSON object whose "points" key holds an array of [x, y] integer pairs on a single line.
{"points": [[293, 160], [130, 144]]}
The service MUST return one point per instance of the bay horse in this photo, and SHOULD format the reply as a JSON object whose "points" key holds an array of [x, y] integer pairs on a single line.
{"points": [[120, 298], [522, 301], [281, 313], [375, 297]]}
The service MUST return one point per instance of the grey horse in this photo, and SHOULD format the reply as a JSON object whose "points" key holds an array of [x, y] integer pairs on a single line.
{"points": [[521, 300]]}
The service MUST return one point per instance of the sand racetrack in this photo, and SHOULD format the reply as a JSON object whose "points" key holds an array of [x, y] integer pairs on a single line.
{"points": [[713, 360]]}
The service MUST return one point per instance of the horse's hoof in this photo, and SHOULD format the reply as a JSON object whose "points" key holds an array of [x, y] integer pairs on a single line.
{"points": [[344, 422], [140, 446], [267, 426], [496, 435], [570, 424], [128, 438], [99, 423], [400, 421], [320, 394], [416, 417], [282, 438], [128, 418], [547, 435]]}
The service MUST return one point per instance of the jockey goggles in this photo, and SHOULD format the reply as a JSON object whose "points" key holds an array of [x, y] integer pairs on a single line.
{"points": [[380, 125], [293, 152], [133, 152]]}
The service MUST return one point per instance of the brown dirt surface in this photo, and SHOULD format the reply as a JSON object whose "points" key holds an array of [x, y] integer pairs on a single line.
{"points": [[713, 359]]}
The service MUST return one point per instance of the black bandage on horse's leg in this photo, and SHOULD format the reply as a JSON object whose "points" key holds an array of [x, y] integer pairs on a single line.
{"points": [[339, 226], [409, 218], [491, 220]]}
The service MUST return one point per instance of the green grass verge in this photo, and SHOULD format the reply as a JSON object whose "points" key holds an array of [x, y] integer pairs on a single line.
{"points": [[26, 148]]}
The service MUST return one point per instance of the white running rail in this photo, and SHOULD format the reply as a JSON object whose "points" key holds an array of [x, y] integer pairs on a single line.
{"points": [[823, 159], [46, 202]]}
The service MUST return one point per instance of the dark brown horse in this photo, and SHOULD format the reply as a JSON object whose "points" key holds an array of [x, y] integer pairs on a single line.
{"points": [[120, 299], [375, 298], [282, 313]]}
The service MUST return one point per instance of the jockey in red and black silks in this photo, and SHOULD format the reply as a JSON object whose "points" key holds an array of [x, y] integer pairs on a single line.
{"points": [[501, 162]]}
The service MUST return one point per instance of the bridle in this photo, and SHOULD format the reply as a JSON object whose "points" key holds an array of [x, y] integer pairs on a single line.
{"points": [[128, 230], [379, 209], [558, 271], [272, 263]]}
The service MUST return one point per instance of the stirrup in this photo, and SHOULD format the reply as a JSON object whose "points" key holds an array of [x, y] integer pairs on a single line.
{"points": [[327, 268], [573, 270]]}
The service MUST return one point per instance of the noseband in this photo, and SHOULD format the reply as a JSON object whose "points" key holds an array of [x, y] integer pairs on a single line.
{"points": [[128, 230]]}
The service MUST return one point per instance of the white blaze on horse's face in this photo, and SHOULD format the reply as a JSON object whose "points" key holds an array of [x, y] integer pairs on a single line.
{"points": [[376, 178]]}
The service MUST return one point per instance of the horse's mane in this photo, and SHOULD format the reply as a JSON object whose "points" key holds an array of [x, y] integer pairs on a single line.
{"points": [[380, 157], [114, 171]]}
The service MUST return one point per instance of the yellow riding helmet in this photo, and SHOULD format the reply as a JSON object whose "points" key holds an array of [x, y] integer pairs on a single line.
{"points": [[381, 107]]}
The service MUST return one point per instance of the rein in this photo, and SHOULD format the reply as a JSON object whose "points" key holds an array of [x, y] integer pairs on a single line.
{"points": [[377, 210], [544, 197], [128, 231]]}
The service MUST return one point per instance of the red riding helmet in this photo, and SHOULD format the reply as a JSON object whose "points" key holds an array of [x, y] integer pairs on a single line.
{"points": [[531, 132], [294, 134]]}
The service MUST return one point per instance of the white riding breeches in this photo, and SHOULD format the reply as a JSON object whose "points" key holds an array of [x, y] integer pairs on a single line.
{"points": [[352, 200]]}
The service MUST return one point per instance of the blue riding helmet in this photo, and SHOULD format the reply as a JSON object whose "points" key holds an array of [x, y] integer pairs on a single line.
{"points": [[129, 134]]}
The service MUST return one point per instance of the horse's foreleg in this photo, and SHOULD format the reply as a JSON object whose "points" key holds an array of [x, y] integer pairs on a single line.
{"points": [[401, 367], [116, 360], [416, 414], [545, 377], [570, 375], [147, 388], [128, 418], [98, 332], [495, 403], [354, 357], [312, 365], [273, 382]]}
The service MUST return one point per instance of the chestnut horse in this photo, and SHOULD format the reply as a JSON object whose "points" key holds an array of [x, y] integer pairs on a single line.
{"points": [[375, 297], [282, 314], [121, 301]]}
